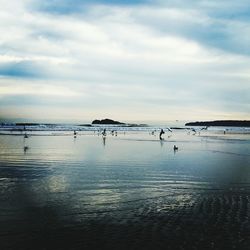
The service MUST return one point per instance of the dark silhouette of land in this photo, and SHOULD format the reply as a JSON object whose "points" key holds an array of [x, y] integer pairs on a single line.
{"points": [[223, 123], [107, 121], [112, 122]]}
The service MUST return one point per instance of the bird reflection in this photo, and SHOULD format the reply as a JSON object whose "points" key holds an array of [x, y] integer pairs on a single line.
{"points": [[25, 149], [175, 149], [104, 140]]}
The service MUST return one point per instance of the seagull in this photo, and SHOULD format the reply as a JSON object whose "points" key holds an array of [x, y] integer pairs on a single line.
{"points": [[104, 132], [198, 130], [25, 149], [161, 133], [193, 131], [204, 128], [169, 129]]}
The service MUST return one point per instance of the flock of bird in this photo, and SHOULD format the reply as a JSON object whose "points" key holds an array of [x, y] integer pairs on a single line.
{"points": [[113, 132]]}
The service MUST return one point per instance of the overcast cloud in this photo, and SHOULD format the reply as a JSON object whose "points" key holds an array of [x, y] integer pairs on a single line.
{"points": [[127, 60]]}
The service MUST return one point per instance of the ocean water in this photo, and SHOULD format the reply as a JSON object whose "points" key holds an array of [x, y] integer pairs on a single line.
{"points": [[130, 191]]}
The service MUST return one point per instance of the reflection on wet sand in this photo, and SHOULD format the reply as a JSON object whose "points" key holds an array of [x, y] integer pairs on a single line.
{"points": [[104, 140], [134, 194], [25, 149]]}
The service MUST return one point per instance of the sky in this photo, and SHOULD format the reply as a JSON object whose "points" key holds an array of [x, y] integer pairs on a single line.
{"points": [[140, 60]]}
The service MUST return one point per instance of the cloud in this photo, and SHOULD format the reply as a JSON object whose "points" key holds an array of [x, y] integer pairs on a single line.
{"points": [[65, 7], [122, 59], [37, 89], [212, 26]]}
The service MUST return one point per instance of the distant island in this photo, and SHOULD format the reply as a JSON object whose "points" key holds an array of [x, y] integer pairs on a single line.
{"points": [[107, 122], [222, 123], [112, 122]]}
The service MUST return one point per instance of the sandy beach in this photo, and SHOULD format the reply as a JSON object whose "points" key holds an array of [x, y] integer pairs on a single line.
{"points": [[129, 191]]}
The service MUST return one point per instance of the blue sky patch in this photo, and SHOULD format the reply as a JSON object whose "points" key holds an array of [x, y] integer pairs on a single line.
{"points": [[20, 70]]}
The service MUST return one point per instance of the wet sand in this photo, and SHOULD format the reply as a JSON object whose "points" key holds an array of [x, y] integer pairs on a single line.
{"points": [[129, 192]]}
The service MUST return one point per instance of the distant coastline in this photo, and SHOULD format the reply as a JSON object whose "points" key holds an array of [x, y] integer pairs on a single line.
{"points": [[220, 123], [215, 123], [103, 122]]}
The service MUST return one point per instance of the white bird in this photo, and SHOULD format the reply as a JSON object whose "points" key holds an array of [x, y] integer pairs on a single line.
{"points": [[169, 129]]}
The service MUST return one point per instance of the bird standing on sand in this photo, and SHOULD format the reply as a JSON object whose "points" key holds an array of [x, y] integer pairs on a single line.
{"points": [[25, 149], [161, 133], [175, 148], [104, 132]]}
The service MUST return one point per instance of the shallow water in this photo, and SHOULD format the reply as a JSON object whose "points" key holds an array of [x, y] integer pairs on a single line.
{"points": [[129, 192]]}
